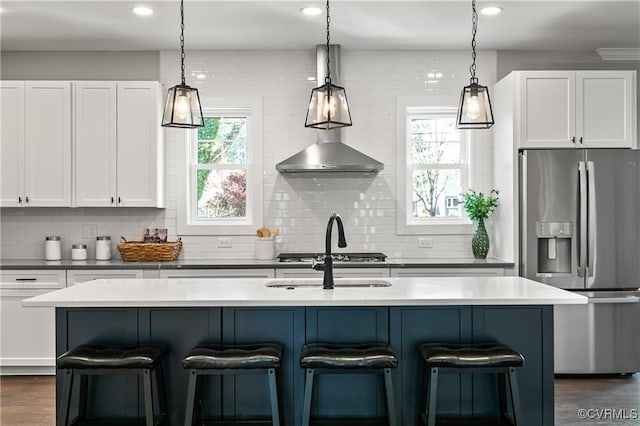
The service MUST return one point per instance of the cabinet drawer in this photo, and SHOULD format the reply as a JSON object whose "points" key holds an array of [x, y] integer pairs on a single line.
{"points": [[23, 279], [80, 276], [447, 272], [217, 273], [337, 273]]}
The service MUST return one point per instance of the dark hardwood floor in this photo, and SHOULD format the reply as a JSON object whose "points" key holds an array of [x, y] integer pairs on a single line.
{"points": [[30, 401]]}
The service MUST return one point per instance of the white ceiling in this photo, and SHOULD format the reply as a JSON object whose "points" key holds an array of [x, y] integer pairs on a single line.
{"points": [[360, 24]]}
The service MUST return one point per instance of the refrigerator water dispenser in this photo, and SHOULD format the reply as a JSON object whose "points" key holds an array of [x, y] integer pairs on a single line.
{"points": [[554, 247]]}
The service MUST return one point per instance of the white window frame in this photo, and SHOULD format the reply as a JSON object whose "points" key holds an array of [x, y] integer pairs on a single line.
{"points": [[406, 224], [187, 221]]}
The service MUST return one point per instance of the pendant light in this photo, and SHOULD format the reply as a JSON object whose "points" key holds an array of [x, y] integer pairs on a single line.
{"points": [[328, 108], [182, 107], [474, 111]]}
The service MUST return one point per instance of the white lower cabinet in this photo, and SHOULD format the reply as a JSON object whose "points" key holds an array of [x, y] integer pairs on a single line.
{"points": [[217, 273], [337, 273], [83, 275], [27, 335], [446, 272]]}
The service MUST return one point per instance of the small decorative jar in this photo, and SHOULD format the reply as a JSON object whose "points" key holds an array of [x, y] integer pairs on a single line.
{"points": [[52, 249], [79, 252], [103, 248]]}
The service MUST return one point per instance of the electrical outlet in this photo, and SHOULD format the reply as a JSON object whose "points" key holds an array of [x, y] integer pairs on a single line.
{"points": [[225, 243], [89, 230], [425, 243]]}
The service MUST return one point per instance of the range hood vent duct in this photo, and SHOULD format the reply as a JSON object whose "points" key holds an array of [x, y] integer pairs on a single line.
{"points": [[329, 154]]}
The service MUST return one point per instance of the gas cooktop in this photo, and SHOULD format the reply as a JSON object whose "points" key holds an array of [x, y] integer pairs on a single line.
{"points": [[337, 257]]}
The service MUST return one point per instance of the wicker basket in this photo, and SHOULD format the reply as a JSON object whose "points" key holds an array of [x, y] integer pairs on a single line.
{"points": [[149, 252]]}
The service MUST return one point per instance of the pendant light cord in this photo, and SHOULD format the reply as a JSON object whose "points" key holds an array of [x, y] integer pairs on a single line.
{"points": [[328, 77], [182, 40], [474, 21]]}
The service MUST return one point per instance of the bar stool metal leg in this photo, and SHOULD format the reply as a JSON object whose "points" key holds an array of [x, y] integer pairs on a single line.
{"points": [[515, 396], [162, 395], [432, 395], [273, 392], [190, 412], [65, 400], [148, 399], [391, 407], [84, 391], [308, 391]]}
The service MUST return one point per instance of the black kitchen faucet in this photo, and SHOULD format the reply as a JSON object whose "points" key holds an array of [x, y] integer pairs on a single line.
{"points": [[327, 266]]}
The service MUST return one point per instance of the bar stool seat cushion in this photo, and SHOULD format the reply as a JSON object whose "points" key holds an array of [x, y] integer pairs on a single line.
{"points": [[448, 355], [371, 355], [115, 357], [205, 357]]}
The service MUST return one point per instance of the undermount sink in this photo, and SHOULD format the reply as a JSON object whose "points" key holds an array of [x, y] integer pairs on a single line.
{"points": [[293, 283]]}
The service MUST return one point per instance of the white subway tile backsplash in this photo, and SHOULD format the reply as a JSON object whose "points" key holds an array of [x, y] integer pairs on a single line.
{"points": [[298, 206]]}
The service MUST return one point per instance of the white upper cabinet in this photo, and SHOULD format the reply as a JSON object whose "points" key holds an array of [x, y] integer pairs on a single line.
{"points": [[583, 109], [140, 145], [118, 147], [36, 138], [12, 143]]}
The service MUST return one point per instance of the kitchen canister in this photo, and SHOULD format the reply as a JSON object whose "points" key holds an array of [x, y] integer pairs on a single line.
{"points": [[52, 248], [103, 248], [265, 248], [79, 252]]}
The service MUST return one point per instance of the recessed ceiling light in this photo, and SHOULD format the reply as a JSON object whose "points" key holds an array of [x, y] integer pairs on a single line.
{"points": [[142, 10], [201, 76], [311, 79], [311, 11], [491, 10]]}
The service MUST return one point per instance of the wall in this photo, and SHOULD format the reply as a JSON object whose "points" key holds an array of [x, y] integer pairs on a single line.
{"points": [[299, 206], [78, 65]]}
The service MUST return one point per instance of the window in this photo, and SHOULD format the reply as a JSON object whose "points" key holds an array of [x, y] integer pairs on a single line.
{"points": [[433, 170], [222, 171]]}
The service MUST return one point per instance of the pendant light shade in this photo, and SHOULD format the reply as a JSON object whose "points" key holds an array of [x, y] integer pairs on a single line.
{"points": [[328, 107], [474, 111], [182, 108]]}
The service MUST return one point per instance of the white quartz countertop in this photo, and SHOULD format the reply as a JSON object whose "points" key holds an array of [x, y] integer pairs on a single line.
{"points": [[198, 292]]}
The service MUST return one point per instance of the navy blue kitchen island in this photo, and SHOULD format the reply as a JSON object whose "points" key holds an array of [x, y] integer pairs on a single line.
{"points": [[180, 314]]}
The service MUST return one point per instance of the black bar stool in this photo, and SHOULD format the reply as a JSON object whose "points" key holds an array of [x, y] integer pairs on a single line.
{"points": [[221, 359], [317, 358], [492, 358], [88, 360]]}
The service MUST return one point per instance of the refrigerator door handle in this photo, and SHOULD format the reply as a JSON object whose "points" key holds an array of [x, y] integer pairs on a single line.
{"points": [[591, 218], [582, 232]]}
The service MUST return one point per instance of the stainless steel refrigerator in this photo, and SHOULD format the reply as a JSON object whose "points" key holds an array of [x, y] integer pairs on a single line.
{"points": [[580, 231]]}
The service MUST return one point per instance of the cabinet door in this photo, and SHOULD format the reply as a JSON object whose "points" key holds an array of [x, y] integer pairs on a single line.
{"points": [[12, 143], [140, 150], [605, 109], [547, 109], [94, 146], [48, 144], [27, 335], [27, 343]]}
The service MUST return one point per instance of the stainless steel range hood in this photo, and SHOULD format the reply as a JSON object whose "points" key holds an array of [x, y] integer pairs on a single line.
{"points": [[329, 154]]}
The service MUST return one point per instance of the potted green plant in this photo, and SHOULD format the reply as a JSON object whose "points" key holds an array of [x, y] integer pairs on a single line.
{"points": [[478, 207]]}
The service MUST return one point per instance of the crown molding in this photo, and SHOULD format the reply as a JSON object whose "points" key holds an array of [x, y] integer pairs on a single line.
{"points": [[619, 54]]}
